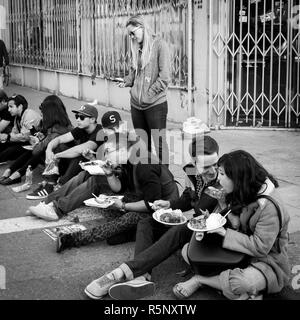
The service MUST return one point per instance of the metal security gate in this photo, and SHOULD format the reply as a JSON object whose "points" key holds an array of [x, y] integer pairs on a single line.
{"points": [[254, 68]]}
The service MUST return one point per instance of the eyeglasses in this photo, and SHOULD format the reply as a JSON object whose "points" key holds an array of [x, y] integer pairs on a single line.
{"points": [[132, 33], [80, 116]]}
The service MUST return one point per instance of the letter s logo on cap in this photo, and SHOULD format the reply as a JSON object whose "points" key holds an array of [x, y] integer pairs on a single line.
{"points": [[112, 119]]}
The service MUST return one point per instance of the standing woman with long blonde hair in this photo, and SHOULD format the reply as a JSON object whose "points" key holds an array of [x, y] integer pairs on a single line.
{"points": [[149, 78]]}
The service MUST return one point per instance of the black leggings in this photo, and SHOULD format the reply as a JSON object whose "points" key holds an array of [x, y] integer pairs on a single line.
{"points": [[11, 151], [26, 159]]}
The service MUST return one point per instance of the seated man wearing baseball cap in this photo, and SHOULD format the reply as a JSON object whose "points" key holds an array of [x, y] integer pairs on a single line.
{"points": [[84, 136], [72, 194]]}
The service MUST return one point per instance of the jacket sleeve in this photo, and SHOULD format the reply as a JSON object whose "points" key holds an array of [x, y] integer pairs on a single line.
{"points": [[184, 203], [164, 77], [148, 177], [263, 238]]}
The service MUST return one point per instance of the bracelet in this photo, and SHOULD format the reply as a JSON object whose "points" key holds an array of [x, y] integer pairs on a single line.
{"points": [[110, 174]]}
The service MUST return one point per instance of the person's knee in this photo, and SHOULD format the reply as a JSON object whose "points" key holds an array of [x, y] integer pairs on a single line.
{"points": [[144, 224], [242, 282]]}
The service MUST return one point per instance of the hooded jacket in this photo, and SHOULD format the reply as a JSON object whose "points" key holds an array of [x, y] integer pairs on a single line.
{"points": [[149, 85], [260, 238]]}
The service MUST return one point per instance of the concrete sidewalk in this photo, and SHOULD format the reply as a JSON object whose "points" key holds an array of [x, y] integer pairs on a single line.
{"points": [[278, 151]]}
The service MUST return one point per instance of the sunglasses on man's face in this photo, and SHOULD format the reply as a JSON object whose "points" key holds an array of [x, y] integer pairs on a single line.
{"points": [[80, 116]]}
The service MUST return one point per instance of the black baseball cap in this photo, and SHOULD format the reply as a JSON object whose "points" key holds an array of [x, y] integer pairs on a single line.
{"points": [[111, 119], [87, 110]]}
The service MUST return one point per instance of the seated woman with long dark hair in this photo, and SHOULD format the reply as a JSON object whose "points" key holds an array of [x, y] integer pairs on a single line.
{"points": [[55, 122], [262, 234]]}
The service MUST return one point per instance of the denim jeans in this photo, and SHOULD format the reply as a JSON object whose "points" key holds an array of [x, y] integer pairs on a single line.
{"points": [[172, 240], [69, 168], [148, 232], [72, 194], [153, 118]]}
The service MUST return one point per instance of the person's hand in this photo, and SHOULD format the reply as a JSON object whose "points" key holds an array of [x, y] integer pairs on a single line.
{"points": [[118, 204], [3, 137], [199, 236], [107, 167], [161, 204], [121, 84], [221, 231], [33, 140], [89, 154], [40, 136]]}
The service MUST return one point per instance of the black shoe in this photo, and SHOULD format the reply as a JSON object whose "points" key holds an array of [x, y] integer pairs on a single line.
{"points": [[8, 181], [64, 241], [41, 192]]}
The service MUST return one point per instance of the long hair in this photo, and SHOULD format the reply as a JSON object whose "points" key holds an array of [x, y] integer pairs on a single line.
{"points": [[54, 113], [247, 174], [139, 21]]}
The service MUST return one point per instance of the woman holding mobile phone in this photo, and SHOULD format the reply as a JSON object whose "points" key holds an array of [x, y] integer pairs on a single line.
{"points": [[148, 78]]}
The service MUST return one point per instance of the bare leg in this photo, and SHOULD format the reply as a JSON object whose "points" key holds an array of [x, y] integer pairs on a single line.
{"points": [[185, 289]]}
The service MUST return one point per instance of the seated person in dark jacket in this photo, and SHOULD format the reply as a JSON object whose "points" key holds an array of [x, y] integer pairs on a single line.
{"points": [[141, 175], [202, 174]]}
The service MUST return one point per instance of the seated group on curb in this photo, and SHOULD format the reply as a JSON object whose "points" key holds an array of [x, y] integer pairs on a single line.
{"points": [[234, 183]]}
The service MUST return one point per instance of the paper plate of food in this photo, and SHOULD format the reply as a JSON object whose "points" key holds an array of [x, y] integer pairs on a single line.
{"points": [[103, 201], [93, 167], [169, 217], [29, 147], [207, 222]]}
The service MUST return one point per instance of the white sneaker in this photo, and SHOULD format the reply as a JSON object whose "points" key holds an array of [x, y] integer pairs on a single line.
{"points": [[137, 288], [44, 211], [98, 288]]}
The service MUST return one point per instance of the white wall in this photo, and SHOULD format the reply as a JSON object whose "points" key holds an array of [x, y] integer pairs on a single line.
{"points": [[106, 92]]}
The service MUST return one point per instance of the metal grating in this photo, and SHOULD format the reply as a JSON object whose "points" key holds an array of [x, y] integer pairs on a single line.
{"points": [[254, 63], [89, 36]]}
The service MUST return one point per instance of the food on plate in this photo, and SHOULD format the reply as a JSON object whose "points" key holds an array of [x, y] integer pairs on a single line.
{"points": [[171, 216], [104, 200], [212, 221], [91, 163]]}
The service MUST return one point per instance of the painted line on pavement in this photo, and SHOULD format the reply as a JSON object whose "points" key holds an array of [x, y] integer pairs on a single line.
{"points": [[28, 223], [31, 223]]}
